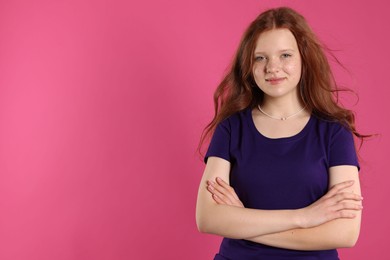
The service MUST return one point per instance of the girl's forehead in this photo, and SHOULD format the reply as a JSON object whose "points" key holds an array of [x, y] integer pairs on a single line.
{"points": [[276, 39]]}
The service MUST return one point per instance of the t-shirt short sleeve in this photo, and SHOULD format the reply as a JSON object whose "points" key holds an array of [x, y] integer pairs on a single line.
{"points": [[220, 142], [342, 148]]}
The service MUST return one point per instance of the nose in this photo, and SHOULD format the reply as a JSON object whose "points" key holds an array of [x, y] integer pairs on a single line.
{"points": [[272, 66]]}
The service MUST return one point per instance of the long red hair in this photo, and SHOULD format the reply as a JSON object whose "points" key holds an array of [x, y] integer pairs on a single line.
{"points": [[317, 86]]}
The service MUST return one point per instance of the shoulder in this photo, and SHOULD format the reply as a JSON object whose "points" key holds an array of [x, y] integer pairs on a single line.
{"points": [[331, 128], [236, 119], [338, 142], [225, 133], [337, 136]]}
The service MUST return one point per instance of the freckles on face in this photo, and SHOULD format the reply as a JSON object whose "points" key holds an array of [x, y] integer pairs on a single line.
{"points": [[293, 67]]}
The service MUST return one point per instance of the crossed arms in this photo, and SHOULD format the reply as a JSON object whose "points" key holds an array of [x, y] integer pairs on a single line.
{"points": [[331, 222]]}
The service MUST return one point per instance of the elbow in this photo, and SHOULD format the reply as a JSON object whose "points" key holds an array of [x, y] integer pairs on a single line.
{"points": [[347, 233], [204, 218], [350, 239], [202, 227], [206, 221], [203, 224], [351, 242]]}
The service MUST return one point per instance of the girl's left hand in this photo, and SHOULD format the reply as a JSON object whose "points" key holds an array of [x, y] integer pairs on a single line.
{"points": [[223, 194]]}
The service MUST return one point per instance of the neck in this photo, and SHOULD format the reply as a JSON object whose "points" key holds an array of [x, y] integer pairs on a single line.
{"points": [[283, 118], [281, 109]]}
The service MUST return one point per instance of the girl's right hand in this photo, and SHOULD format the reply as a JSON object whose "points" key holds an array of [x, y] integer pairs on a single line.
{"points": [[335, 204]]}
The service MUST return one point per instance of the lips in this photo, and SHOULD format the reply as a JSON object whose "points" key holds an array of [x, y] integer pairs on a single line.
{"points": [[274, 81]]}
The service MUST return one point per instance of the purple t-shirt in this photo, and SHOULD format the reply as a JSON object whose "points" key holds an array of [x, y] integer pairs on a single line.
{"points": [[281, 173]]}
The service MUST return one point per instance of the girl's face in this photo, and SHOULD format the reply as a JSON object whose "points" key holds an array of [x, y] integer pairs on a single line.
{"points": [[277, 67]]}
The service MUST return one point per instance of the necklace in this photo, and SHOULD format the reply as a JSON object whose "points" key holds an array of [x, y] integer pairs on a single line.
{"points": [[280, 118]]}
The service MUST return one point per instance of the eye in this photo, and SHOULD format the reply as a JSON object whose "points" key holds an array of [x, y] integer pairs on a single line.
{"points": [[286, 55], [260, 58]]}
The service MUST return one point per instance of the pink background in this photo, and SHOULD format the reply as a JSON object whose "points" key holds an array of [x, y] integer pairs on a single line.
{"points": [[101, 108]]}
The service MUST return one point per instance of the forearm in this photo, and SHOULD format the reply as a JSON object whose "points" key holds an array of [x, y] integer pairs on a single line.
{"points": [[334, 234], [243, 223]]}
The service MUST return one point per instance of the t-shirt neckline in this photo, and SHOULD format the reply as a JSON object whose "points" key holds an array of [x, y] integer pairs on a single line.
{"points": [[281, 139]]}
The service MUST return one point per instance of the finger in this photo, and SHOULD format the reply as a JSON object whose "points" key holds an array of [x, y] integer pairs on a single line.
{"points": [[218, 200], [221, 198], [221, 202], [342, 185], [342, 214], [338, 187], [347, 206], [221, 182], [347, 196], [212, 189], [227, 187], [226, 191]]}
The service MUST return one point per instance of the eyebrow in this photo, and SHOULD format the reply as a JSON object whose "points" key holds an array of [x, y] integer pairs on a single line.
{"points": [[284, 50]]}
